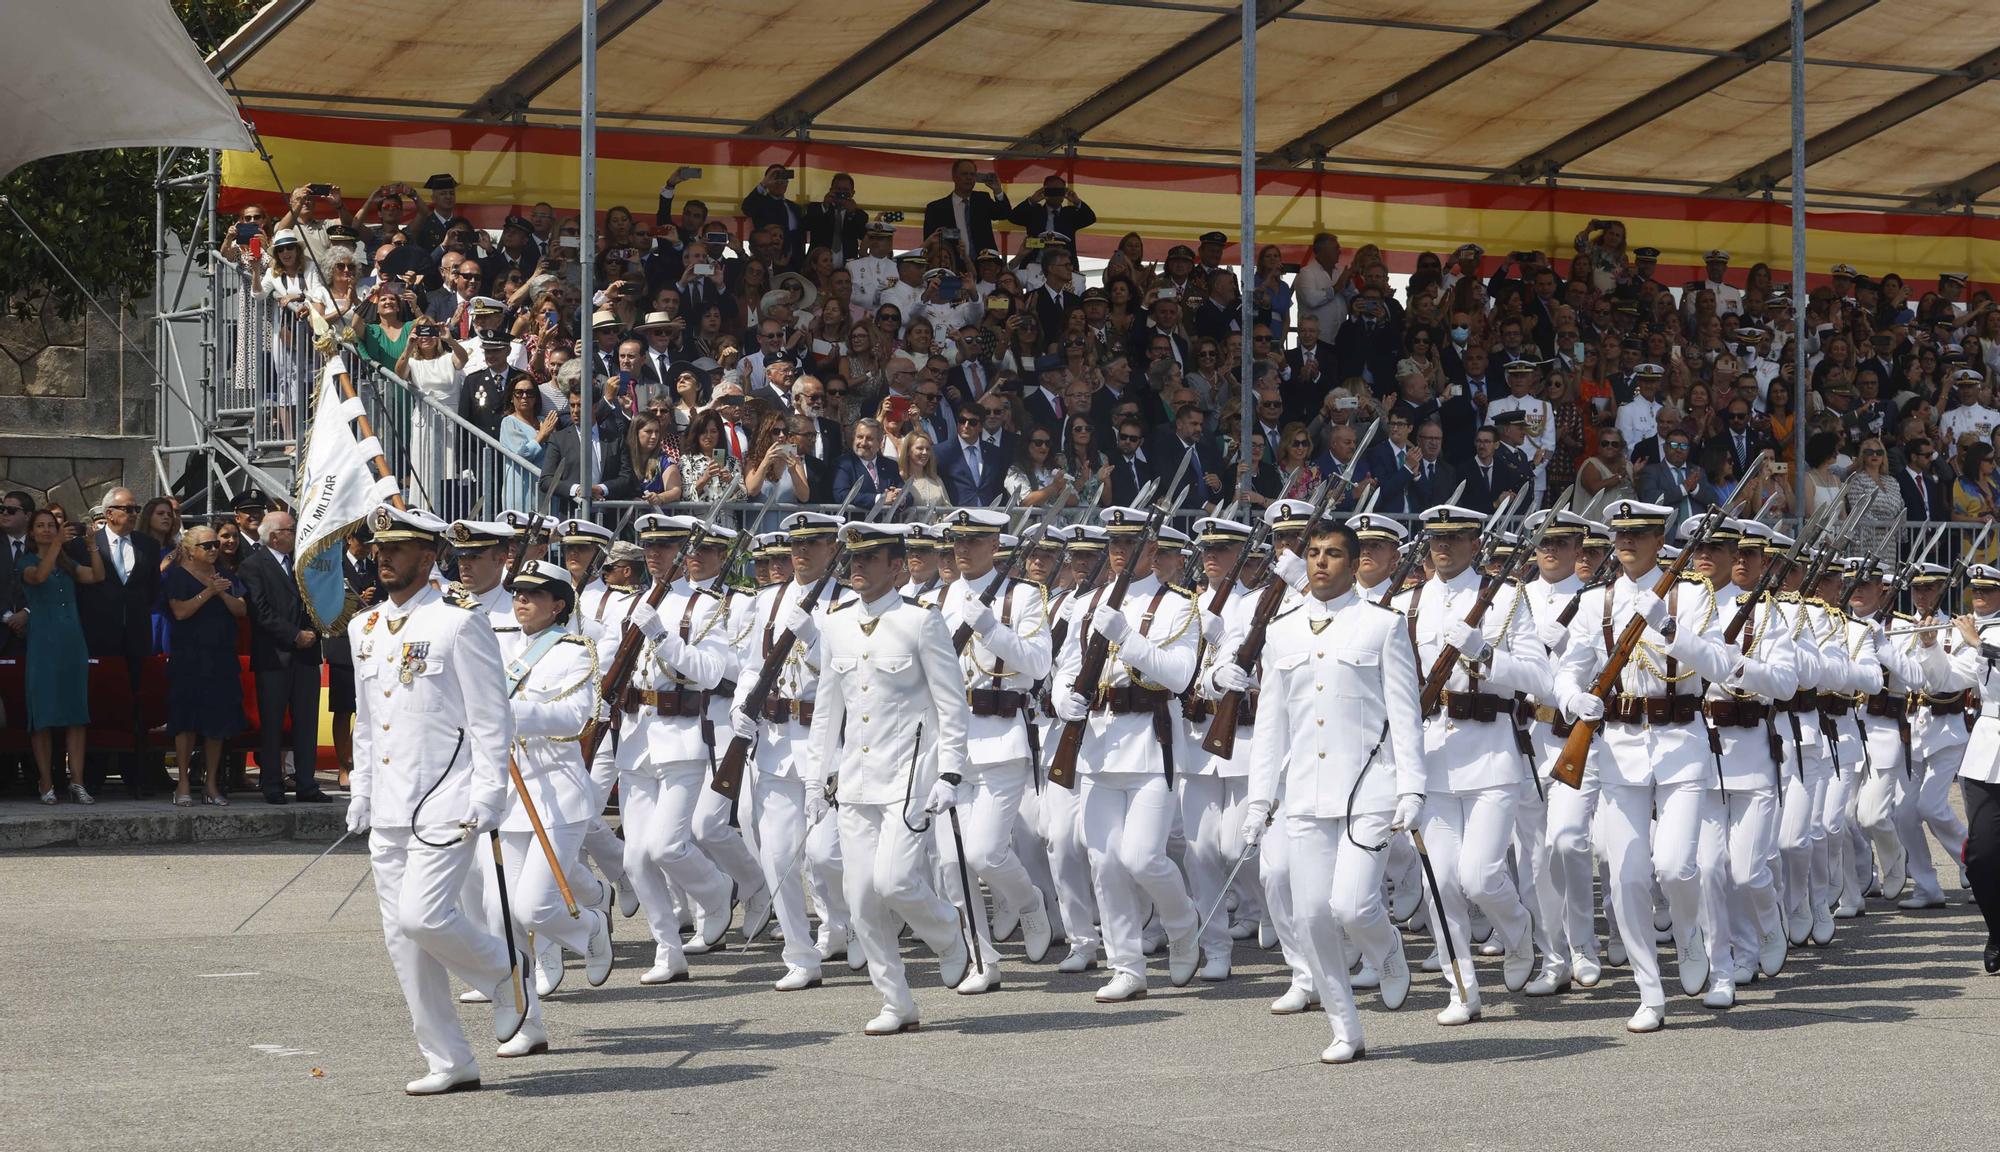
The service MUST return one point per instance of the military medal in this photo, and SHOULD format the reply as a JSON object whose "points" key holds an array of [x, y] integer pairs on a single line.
{"points": [[372, 617], [413, 658]]}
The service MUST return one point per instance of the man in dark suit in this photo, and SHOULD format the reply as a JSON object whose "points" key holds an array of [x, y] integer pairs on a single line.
{"points": [[1044, 402], [968, 213], [1130, 467], [16, 508], [1676, 483], [1435, 478], [835, 222], [1370, 342], [1925, 497], [612, 467], [1488, 476], [285, 658], [1742, 439], [766, 205], [1207, 478], [1059, 293], [973, 471], [878, 474], [483, 399], [1053, 209], [1309, 372], [117, 616]]}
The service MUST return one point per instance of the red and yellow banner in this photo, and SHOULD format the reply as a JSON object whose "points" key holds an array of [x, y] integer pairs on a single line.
{"points": [[505, 168]]}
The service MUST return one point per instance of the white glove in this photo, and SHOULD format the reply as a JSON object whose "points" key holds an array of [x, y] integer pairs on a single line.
{"points": [[1470, 641], [646, 619], [800, 624], [1109, 623], [743, 724], [980, 616], [1256, 821], [1230, 677], [1584, 706], [1290, 567], [817, 805], [1409, 809], [1551, 634], [357, 814], [1654, 609], [482, 819], [1070, 706], [944, 795]]}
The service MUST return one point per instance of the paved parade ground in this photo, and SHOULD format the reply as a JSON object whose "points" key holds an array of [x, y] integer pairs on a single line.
{"points": [[135, 1020]]}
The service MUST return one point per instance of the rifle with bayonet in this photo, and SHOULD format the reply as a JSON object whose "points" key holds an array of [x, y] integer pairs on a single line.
{"points": [[1774, 573], [1489, 589], [1413, 555], [963, 635]]}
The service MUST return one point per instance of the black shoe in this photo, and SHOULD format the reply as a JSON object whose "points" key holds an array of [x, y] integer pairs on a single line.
{"points": [[314, 797], [276, 798], [1992, 957]]}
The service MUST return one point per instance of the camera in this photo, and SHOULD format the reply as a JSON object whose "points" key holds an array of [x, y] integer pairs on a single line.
{"points": [[704, 269], [686, 172], [321, 190], [891, 217], [951, 234]]}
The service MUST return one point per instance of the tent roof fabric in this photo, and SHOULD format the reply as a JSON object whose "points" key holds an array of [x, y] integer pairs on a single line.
{"points": [[1647, 95]]}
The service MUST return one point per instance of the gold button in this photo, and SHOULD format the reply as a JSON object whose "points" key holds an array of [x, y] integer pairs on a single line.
{"points": [[385, 759], [1319, 687], [864, 749], [385, 693], [1322, 755], [864, 718], [385, 726], [1321, 723]]}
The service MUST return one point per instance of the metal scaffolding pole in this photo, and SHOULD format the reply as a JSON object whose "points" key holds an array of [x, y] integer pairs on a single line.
{"points": [[1247, 247], [1799, 257], [586, 250]]}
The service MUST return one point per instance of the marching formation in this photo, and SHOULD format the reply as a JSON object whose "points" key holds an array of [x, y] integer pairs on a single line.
{"points": [[1124, 738]]}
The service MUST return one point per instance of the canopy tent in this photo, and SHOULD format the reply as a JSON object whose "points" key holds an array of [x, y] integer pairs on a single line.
{"points": [[1688, 96], [89, 74]]}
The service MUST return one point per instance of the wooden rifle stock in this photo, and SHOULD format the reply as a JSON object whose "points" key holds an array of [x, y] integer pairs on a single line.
{"points": [[1440, 671], [1097, 652], [1576, 749], [623, 663], [1220, 739], [728, 777]]}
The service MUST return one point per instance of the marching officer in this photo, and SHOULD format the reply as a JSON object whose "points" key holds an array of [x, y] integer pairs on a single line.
{"points": [[583, 547], [482, 548], [430, 738], [1061, 809], [600, 615], [1213, 789], [1972, 665], [1938, 734], [888, 673]]}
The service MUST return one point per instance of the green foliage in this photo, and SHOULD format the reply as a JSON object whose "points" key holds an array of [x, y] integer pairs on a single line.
{"points": [[95, 209]]}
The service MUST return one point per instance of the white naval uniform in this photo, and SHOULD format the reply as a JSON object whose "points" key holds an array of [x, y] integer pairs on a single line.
{"points": [[889, 717], [1937, 747], [871, 275], [724, 843], [1009, 657], [1656, 774], [1127, 803], [663, 766], [431, 732], [1802, 837], [1474, 769], [1340, 737], [1846, 846], [1885, 793], [1214, 789], [778, 787], [1552, 820], [600, 615], [1059, 815]]}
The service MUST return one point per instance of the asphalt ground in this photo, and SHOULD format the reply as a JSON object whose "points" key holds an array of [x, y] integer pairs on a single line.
{"points": [[137, 1020]]}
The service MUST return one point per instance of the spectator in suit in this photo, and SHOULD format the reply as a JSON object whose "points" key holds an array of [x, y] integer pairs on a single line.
{"points": [[973, 471], [766, 206], [1044, 402], [1053, 209], [204, 685], [967, 212], [117, 614], [1488, 477], [823, 445], [1309, 371], [1391, 461], [1741, 437], [1370, 342], [612, 476], [285, 659], [1060, 292], [996, 433], [1433, 478], [1675, 482], [1130, 470], [1207, 478], [1925, 497], [16, 553], [835, 223], [879, 476]]}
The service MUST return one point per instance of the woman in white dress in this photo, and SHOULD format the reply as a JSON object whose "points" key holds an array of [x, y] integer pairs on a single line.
{"points": [[289, 283], [434, 365]]}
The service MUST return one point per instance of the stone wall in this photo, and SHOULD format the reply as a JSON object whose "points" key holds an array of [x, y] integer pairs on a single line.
{"points": [[77, 408]]}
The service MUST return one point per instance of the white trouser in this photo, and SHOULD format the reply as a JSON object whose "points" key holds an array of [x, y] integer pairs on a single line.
{"points": [[600, 840], [417, 888], [989, 807], [1933, 810], [829, 895], [1531, 869], [1802, 834], [1069, 863], [724, 845], [886, 873], [1838, 814], [1466, 834], [1883, 794], [1336, 889], [1126, 819], [1752, 893], [1627, 812], [1567, 897], [1274, 873], [532, 894], [779, 804], [1212, 815], [1031, 848], [659, 845]]}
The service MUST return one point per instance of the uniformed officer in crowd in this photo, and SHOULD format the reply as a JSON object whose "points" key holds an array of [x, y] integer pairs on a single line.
{"points": [[1060, 809]]}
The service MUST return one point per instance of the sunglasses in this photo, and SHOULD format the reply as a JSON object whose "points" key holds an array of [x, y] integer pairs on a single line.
{"points": [[1301, 443], [1124, 439], [208, 546], [929, 395], [885, 319], [1611, 444], [520, 392], [969, 418], [1040, 442], [1270, 403], [121, 507]]}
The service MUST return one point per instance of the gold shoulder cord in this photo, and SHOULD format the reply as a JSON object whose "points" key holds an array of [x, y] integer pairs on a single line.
{"points": [[589, 679], [1646, 651], [972, 649], [1186, 623]]}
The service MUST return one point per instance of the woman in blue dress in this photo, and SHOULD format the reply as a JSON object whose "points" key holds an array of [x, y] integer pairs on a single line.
{"points": [[58, 667], [204, 683]]}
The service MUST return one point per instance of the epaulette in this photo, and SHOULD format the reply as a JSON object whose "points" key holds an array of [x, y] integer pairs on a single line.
{"points": [[1373, 604], [1187, 592], [915, 601], [458, 597], [842, 604], [574, 638], [1294, 608]]}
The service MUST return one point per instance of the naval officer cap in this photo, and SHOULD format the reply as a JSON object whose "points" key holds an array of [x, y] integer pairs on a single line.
{"points": [[519, 522], [1637, 516], [972, 522], [925, 538], [1373, 526], [1983, 576], [1288, 515], [1121, 521], [769, 546], [1172, 539], [1725, 534], [392, 525], [1087, 538], [867, 536], [1444, 519], [1755, 535], [542, 576], [1649, 370], [1668, 554], [478, 535], [1970, 377], [1566, 523], [660, 528], [1216, 532], [1596, 535], [584, 532], [800, 527], [1929, 573]]}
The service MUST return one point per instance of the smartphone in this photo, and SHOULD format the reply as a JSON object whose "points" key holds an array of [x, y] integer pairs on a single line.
{"points": [[319, 190], [1032, 243], [569, 242], [719, 455], [949, 288], [896, 409], [716, 239], [704, 269], [1780, 469], [785, 173], [686, 172], [987, 177], [999, 303], [245, 230], [553, 317], [951, 234]]}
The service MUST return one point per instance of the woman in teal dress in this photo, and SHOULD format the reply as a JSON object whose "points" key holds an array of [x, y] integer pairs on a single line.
{"points": [[58, 666]]}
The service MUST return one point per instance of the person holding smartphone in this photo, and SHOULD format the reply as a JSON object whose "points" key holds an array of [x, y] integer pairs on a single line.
{"points": [[766, 205], [968, 213]]}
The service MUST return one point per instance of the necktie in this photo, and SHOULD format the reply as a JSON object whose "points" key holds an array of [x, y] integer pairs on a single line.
{"points": [[972, 461], [1056, 403], [735, 442]]}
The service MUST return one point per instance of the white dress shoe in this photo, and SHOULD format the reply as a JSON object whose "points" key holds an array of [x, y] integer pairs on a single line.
{"points": [[510, 1012], [1342, 1052], [1919, 900], [664, 971], [1294, 1001], [1614, 953], [1455, 1014], [531, 1040], [603, 900], [1520, 962], [1552, 979], [889, 1022], [1434, 962], [1242, 929], [1080, 959], [797, 979], [1152, 941], [1692, 960], [1395, 973], [1215, 969], [1365, 978], [1771, 952], [548, 968], [1894, 882], [1182, 956], [597, 957], [628, 899], [832, 942], [1798, 927], [1267, 933], [1036, 934], [1649, 1018], [978, 981], [1822, 927], [1006, 918], [1480, 927], [757, 913], [1586, 969], [474, 996], [1848, 910], [1721, 994], [1745, 977], [709, 929], [953, 963], [1122, 987], [856, 958], [464, 1079], [1406, 895]]}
